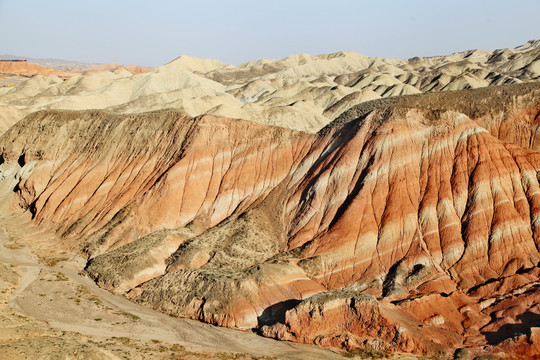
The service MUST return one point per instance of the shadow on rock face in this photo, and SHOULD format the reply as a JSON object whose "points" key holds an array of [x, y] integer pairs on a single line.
{"points": [[276, 313], [527, 320]]}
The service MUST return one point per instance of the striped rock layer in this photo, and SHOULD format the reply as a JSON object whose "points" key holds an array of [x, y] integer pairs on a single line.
{"points": [[411, 224]]}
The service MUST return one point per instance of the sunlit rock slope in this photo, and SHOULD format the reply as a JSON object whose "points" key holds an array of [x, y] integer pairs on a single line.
{"points": [[408, 224]]}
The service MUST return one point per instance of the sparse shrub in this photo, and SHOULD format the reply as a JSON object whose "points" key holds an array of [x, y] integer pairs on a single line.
{"points": [[14, 246], [177, 348], [52, 261], [61, 277], [124, 340], [83, 289], [132, 316], [97, 301]]}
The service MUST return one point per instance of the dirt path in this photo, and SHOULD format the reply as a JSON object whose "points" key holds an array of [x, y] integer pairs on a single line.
{"points": [[66, 301]]}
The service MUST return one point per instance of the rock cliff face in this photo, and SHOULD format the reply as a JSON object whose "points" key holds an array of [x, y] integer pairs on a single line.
{"points": [[407, 224]]}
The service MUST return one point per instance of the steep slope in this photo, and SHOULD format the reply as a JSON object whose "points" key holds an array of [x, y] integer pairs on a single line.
{"points": [[407, 224]]}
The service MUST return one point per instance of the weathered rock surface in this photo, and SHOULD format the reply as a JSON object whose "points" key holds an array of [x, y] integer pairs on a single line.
{"points": [[408, 224]]}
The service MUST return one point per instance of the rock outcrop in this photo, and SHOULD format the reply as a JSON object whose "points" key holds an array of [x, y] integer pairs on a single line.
{"points": [[407, 224]]}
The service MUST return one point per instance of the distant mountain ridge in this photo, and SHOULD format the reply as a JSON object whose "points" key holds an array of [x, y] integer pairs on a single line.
{"points": [[61, 64], [58, 64], [302, 91]]}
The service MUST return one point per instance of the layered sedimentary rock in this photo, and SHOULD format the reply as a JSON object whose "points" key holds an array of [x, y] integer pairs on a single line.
{"points": [[407, 224]]}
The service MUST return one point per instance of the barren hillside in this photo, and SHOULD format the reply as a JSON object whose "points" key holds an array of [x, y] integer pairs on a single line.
{"points": [[362, 204], [302, 92], [407, 224]]}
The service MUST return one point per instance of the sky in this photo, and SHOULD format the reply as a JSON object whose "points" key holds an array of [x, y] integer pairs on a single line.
{"points": [[151, 33]]}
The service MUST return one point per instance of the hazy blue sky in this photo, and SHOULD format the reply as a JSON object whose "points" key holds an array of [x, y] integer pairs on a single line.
{"points": [[155, 32]]}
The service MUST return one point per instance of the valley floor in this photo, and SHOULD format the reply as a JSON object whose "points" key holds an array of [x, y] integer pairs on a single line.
{"points": [[49, 311]]}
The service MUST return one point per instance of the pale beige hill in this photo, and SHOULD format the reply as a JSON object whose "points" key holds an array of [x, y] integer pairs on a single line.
{"points": [[121, 71], [174, 100], [25, 92], [106, 89], [299, 91], [8, 117], [331, 65], [529, 44], [131, 69], [297, 117], [345, 103], [196, 65]]}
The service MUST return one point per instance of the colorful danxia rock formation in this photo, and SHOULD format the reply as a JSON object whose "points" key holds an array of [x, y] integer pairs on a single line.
{"points": [[407, 224]]}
